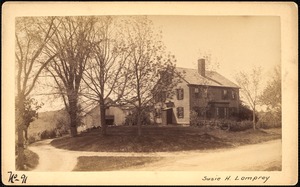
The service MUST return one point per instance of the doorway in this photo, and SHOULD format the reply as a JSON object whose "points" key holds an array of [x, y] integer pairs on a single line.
{"points": [[167, 116]]}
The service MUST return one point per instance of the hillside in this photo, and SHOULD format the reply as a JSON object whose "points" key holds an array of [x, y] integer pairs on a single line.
{"points": [[47, 121]]}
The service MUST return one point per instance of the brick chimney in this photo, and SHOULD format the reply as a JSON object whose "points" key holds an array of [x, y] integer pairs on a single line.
{"points": [[201, 67]]}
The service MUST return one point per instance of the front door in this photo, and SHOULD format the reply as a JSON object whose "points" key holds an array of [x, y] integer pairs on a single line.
{"points": [[167, 116], [222, 112]]}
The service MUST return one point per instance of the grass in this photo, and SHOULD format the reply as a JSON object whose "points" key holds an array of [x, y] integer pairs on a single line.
{"points": [[160, 139], [31, 160], [154, 139], [248, 136], [99, 163]]}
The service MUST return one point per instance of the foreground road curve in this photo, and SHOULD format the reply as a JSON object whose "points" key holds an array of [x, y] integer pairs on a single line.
{"points": [[243, 158]]}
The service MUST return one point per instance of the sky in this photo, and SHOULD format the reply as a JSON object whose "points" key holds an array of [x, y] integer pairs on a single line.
{"points": [[236, 43]]}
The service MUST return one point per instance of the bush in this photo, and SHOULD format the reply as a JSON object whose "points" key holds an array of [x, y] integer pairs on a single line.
{"points": [[269, 120], [224, 124], [195, 119], [31, 139], [244, 114], [241, 126], [46, 134], [62, 124], [132, 119]]}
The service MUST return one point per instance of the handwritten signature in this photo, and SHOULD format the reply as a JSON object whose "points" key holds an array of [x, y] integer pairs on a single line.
{"points": [[14, 178]]}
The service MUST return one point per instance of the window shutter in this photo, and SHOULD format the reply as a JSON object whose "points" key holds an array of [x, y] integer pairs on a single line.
{"points": [[182, 94]]}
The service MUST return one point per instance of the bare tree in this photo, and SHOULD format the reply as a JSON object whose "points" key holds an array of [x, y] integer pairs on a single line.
{"points": [[107, 74], [250, 85], [31, 108], [271, 95], [30, 61], [148, 61], [72, 44]]}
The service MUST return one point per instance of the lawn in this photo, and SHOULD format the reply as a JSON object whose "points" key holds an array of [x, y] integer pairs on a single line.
{"points": [[31, 160], [161, 139], [99, 163]]}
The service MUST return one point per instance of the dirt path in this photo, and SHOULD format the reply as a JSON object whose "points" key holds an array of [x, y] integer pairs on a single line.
{"points": [[249, 157], [52, 159]]}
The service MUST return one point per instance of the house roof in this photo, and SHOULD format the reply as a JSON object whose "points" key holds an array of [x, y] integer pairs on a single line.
{"points": [[212, 78], [122, 107]]}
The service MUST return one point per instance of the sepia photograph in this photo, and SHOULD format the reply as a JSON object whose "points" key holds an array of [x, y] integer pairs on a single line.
{"points": [[147, 94]]}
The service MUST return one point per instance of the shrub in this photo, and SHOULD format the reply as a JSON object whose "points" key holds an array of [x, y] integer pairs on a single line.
{"points": [[62, 124], [195, 119], [31, 139], [241, 125], [244, 114], [46, 134], [132, 119], [269, 120], [224, 124]]}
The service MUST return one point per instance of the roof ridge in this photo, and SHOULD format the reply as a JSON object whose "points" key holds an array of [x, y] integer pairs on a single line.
{"points": [[196, 69], [214, 77]]}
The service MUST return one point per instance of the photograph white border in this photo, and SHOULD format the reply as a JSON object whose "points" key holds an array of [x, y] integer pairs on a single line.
{"points": [[288, 13]]}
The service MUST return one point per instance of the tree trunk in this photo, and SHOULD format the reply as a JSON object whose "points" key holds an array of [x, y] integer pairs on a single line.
{"points": [[139, 121], [254, 125], [102, 118], [73, 116], [19, 116], [26, 132]]}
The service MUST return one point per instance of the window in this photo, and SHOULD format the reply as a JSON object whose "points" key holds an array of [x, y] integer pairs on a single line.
{"points": [[205, 93], [180, 112], [180, 94], [225, 94], [196, 92], [233, 95], [226, 112], [217, 111]]}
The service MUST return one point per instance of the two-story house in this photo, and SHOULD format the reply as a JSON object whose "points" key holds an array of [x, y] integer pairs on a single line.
{"points": [[208, 93]]}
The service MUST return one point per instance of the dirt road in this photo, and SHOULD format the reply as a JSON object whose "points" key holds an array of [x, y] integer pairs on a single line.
{"points": [[244, 158], [258, 157]]}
